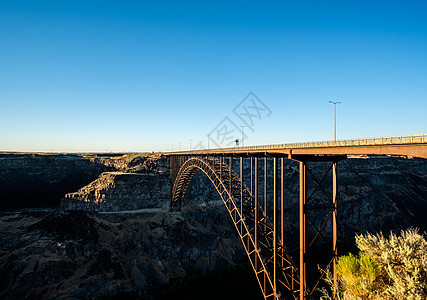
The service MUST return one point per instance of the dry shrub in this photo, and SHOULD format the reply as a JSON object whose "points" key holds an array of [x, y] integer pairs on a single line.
{"points": [[385, 268]]}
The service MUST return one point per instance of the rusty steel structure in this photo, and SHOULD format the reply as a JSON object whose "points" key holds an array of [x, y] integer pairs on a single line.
{"points": [[283, 273]]}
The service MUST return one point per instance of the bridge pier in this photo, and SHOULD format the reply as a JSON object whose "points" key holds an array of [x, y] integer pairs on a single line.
{"points": [[306, 292]]}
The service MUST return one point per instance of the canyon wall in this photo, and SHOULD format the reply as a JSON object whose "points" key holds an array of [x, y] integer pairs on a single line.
{"points": [[115, 235], [375, 193], [41, 180]]}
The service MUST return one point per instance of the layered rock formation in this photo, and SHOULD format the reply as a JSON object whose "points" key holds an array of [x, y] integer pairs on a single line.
{"points": [[114, 191], [136, 162], [144, 185]]}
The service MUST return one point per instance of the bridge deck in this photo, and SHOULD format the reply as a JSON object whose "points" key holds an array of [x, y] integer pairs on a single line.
{"points": [[411, 145]]}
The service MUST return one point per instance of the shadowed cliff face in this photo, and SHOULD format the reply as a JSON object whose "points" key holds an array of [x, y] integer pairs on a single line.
{"points": [[32, 180], [383, 193]]}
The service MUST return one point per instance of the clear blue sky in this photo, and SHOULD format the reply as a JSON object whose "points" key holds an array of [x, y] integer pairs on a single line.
{"points": [[142, 76]]}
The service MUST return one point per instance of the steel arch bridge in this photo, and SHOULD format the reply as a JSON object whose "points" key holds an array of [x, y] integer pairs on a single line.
{"points": [[262, 245], [259, 221]]}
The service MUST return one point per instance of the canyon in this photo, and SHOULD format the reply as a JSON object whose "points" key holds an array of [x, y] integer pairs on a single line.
{"points": [[93, 226]]}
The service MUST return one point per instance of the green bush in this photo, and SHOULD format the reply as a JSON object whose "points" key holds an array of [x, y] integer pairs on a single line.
{"points": [[360, 274], [385, 268]]}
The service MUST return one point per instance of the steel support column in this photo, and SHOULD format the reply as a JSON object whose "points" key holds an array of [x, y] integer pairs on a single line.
{"points": [[256, 212], [302, 230], [241, 191], [265, 193], [282, 215], [275, 223], [230, 174], [252, 175], [335, 227]]}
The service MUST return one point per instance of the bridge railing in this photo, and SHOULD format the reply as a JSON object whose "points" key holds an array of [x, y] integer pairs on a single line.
{"points": [[385, 140], [372, 141]]}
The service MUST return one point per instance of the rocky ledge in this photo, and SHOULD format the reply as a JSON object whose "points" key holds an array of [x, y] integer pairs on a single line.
{"points": [[117, 191]]}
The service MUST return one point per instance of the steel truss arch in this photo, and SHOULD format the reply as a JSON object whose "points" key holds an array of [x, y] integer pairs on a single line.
{"points": [[274, 269]]}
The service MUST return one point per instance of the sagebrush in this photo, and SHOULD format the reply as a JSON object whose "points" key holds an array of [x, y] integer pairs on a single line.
{"points": [[393, 267]]}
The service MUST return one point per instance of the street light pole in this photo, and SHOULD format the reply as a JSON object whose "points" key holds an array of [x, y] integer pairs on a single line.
{"points": [[190, 144], [335, 118], [243, 134]]}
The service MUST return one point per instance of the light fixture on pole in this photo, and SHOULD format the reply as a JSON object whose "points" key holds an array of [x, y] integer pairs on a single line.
{"points": [[335, 118], [243, 134], [190, 144]]}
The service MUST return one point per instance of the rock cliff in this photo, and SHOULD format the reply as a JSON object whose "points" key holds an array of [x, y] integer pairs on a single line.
{"points": [[41, 180], [144, 185], [114, 191]]}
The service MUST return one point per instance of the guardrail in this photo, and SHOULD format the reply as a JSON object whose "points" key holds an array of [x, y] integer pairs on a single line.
{"points": [[385, 140]]}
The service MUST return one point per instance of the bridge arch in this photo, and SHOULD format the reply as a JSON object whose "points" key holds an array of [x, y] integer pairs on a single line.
{"points": [[186, 173], [244, 212]]}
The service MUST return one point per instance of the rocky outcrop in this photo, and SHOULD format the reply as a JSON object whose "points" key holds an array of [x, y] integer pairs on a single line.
{"points": [[118, 163], [114, 191], [131, 162], [144, 185]]}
